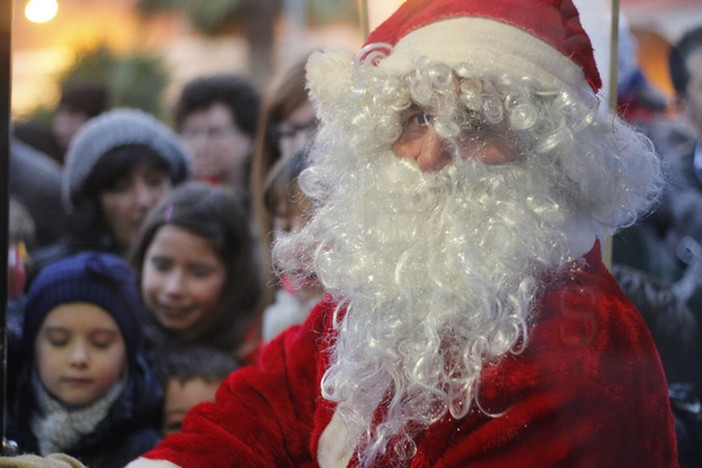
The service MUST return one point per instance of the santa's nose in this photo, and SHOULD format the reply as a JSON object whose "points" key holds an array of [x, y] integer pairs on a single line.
{"points": [[430, 151]]}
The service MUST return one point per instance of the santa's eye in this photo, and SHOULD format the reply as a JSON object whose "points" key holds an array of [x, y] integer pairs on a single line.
{"points": [[421, 118], [415, 121]]}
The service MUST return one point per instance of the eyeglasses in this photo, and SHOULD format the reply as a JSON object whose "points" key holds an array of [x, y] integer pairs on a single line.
{"points": [[286, 130], [211, 133]]}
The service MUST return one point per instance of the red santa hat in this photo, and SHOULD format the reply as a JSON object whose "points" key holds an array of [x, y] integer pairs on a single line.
{"points": [[544, 37], [539, 39]]}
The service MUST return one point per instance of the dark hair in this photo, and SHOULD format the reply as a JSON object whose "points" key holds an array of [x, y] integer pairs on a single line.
{"points": [[284, 96], [283, 178], [88, 225], [236, 93], [118, 163], [216, 214], [677, 58], [38, 137], [86, 97], [187, 362]]}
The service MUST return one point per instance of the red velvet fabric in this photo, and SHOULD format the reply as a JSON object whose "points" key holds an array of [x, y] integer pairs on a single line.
{"points": [[556, 22], [588, 391]]}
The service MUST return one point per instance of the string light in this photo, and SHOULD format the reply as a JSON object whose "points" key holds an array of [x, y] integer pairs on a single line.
{"points": [[41, 11]]}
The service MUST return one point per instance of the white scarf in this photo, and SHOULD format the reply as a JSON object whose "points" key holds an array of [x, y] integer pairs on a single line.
{"points": [[58, 428]]}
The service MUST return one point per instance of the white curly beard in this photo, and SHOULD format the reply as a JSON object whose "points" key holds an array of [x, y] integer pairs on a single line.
{"points": [[437, 272]]}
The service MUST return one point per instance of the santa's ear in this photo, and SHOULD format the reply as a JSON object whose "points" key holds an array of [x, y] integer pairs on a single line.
{"points": [[329, 78]]}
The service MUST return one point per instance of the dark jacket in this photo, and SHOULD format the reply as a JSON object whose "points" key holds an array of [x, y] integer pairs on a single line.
{"points": [[684, 238], [93, 240], [72, 244], [682, 173], [130, 428]]}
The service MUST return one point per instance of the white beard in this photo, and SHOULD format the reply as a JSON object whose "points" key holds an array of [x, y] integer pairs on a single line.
{"points": [[437, 273]]}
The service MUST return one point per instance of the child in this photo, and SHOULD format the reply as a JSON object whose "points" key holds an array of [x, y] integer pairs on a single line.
{"points": [[84, 388], [196, 268], [118, 167], [190, 375], [288, 207]]}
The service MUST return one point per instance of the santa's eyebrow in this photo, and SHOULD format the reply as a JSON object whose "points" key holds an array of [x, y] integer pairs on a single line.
{"points": [[415, 107]]}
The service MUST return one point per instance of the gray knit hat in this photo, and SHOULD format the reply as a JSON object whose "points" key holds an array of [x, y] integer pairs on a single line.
{"points": [[116, 128]]}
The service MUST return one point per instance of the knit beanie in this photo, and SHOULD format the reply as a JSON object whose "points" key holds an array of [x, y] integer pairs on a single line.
{"points": [[541, 39], [96, 278], [119, 127]]}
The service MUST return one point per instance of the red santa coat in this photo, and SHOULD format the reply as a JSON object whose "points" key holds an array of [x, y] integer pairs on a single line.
{"points": [[588, 391]]}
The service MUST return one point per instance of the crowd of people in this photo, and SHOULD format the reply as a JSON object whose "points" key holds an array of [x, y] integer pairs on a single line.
{"points": [[388, 258], [159, 215]]}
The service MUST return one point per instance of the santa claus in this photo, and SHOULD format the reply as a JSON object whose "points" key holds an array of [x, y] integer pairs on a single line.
{"points": [[463, 175]]}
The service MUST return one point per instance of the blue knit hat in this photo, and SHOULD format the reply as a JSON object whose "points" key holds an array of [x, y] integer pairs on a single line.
{"points": [[96, 278], [119, 127]]}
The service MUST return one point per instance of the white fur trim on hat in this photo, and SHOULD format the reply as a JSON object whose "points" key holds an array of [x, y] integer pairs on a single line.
{"points": [[329, 77], [488, 45]]}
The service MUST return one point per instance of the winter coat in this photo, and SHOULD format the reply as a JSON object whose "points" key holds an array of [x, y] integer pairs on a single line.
{"points": [[96, 239], [130, 428]]}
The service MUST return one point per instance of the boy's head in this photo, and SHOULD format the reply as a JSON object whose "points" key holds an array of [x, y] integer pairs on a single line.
{"points": [[190, 375], [282, 197], [289, 209], [80, 353], [81, 326]]}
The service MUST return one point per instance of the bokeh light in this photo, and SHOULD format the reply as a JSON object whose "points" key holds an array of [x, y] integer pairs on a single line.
{"points": [[41, 11]]}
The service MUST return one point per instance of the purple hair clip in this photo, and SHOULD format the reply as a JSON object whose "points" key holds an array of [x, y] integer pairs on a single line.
{"points": [[168, 212]]}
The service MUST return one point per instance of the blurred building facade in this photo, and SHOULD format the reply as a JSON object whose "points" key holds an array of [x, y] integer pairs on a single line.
{"points": [[41, 51]]}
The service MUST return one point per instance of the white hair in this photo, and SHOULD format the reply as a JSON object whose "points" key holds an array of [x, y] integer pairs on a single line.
{"points": [[436, 273]]}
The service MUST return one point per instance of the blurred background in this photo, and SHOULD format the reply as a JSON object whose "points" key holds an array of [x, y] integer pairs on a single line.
{"points": [[146, 49]]}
